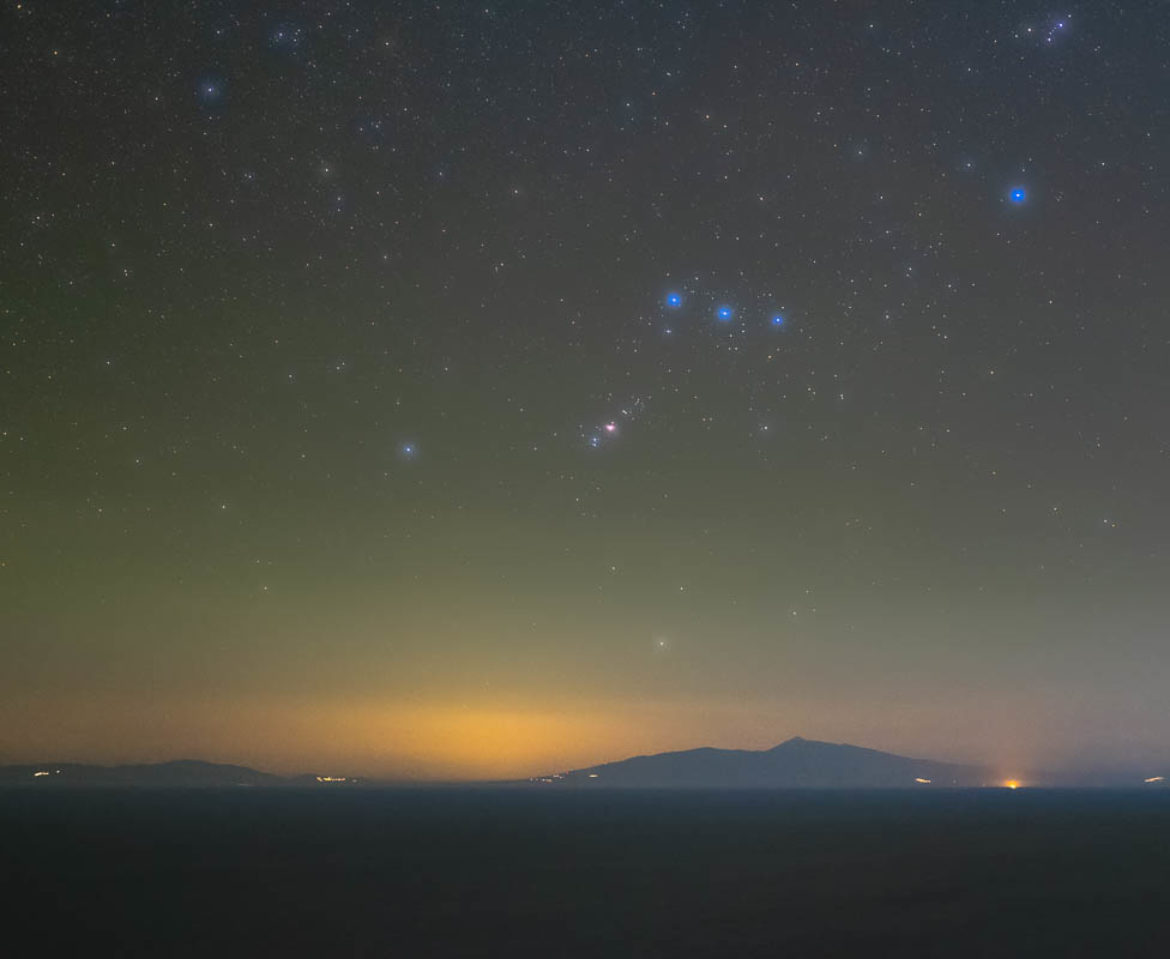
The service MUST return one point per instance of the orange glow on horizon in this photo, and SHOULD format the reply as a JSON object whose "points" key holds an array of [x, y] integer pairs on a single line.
{"points": [[398, 736], [418, 739]]}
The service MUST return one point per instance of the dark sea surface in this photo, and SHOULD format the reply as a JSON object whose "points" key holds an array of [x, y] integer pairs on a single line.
{"points": [[482, 872]]}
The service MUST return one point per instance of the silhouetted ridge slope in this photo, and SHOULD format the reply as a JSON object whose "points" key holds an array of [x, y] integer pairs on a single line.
{"points": [[796, 763], [184, 773]]}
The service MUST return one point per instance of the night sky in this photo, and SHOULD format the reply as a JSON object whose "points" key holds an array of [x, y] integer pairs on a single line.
{"points": [[467, 390]]}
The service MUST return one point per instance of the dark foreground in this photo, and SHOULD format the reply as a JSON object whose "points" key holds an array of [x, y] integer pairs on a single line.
{"points": [[513, 873]]}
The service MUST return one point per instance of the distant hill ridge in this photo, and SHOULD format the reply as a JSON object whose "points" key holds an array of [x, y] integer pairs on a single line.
{"points": [[178, 773], [793, 764], [796, 763]]}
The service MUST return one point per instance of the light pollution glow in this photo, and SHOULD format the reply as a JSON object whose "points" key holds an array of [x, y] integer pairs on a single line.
{"points": [[471, 739]]}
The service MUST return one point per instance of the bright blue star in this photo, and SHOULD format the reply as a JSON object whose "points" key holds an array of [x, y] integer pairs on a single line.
{"points": [[724, 313], [778, 320], [210, 91], [408, 450], [674, 300], [1018, 195]]}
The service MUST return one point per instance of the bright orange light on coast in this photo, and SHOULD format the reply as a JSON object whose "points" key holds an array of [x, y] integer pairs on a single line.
{"points": [[1012, 784]]}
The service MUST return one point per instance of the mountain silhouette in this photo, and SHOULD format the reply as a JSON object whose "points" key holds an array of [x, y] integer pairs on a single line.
{"points": [[182, 773], [794, 764]]}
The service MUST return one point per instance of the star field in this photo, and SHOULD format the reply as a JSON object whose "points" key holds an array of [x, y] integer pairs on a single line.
{"points": [[439, 378]]}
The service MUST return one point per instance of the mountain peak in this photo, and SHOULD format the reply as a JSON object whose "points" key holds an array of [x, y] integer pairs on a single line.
{"points": [[794, 763], [799, 742]]}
